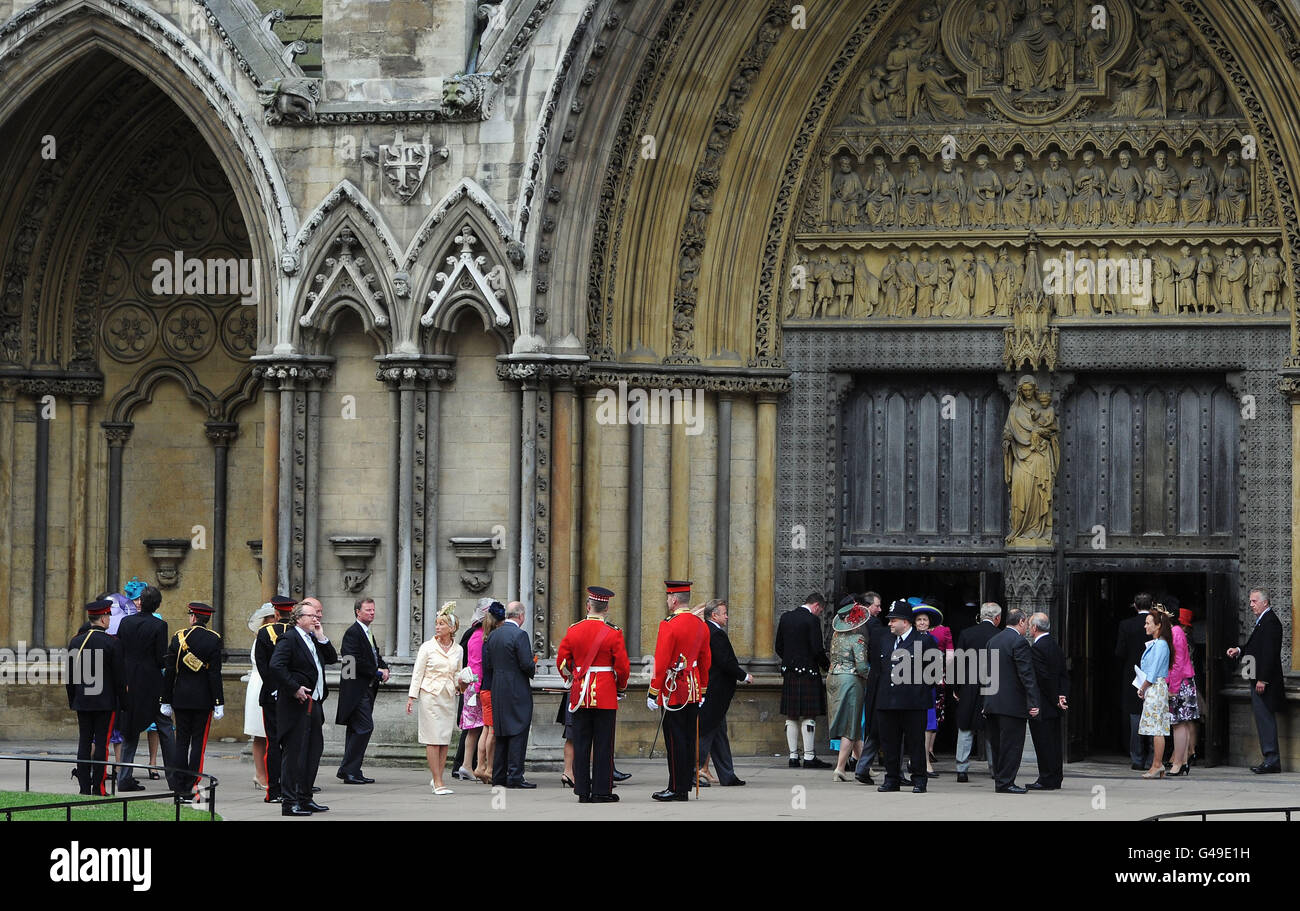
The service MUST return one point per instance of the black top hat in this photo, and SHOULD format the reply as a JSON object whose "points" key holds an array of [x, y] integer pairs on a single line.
{"points": [[596, 593], [900, 610]]}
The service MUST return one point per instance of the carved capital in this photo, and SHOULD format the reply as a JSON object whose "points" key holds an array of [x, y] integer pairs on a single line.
{"points": [[117, 433], [221, 433]]}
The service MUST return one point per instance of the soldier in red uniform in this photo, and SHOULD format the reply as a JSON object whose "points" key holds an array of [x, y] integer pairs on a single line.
{"points": [[593, 659], [681, 675]]}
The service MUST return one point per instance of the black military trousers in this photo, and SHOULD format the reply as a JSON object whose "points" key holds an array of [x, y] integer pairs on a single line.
{"points": [[680, 730], [896, 727], [94, 727], [593, 752], [273, 753], [191, 740]]}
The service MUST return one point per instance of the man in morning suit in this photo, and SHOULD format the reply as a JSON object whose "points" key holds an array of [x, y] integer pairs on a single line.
{"points": [[192, 691], [877, 635], [1010, 697], [96, 689], [724, 673], [1130, 642], [363, 670], [681, 678], [1264, 667], [802, 650], [507, 667], [143, 638], [298, 673], [905, 697], [974, 641], [263, 648], [593, 659], [1054, 689]]}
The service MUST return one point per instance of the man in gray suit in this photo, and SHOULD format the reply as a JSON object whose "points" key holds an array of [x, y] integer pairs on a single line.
{"points": [[1010, 700], [507, 667]]}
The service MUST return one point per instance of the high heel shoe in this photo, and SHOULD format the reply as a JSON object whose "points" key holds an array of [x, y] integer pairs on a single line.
{"points": [[484, 777], [1184, 769], [566, 781], [1158, 773], [841, 776]]}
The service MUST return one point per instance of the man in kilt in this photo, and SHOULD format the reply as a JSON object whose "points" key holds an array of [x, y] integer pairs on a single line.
{"points": [[802, 649]]}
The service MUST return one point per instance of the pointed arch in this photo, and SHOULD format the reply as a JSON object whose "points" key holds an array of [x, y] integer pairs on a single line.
{"points": [[140, 391]]}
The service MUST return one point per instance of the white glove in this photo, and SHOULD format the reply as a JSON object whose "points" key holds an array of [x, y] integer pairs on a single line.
{"points": [[701, 702], [218, 713], [165, 709], [651, 703]]}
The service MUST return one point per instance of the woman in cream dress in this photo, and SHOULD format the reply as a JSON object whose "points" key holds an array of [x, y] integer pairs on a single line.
{"points": [[254, 726], [434, 683]]}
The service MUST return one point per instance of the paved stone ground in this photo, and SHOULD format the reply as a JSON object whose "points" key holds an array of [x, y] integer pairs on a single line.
{"points": [[1092, 791]]}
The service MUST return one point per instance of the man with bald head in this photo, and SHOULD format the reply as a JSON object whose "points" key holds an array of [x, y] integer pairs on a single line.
{"points": [[507, 667], [1054, 688]]}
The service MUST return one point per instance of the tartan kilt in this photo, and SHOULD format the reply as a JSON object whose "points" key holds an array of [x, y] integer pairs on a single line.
{"points": [[802, 695]]}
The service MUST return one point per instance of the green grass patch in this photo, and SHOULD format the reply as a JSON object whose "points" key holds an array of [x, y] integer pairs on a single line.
{"points": [[94, 809]]}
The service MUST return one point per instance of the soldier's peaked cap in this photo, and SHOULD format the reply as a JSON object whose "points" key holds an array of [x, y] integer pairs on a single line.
{"points": [[596, 593], [674, 587], [203, 610], [282, 602], [99, 608]]}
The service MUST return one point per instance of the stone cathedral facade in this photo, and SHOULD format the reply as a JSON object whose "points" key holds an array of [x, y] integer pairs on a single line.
{"points": [[971, 299]]}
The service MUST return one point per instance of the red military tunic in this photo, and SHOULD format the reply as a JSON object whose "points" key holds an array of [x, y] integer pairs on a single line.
{"points": [[684, 640], [596, 689]]}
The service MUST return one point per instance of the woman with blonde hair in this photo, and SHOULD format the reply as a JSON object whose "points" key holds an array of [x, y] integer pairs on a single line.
{"points": [[434, 681], [1155, 687]]}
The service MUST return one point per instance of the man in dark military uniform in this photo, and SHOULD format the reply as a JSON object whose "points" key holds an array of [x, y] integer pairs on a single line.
{"points": [[681, 675], [593, 658], [263, 647], [96, 690], [192, 690]]}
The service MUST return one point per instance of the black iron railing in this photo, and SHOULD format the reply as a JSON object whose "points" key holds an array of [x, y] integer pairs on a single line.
{"points": [[209, 799], [1205, 814]]}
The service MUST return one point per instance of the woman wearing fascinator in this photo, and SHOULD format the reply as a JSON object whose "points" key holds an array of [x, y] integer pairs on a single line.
{"points": [[435, 680]]}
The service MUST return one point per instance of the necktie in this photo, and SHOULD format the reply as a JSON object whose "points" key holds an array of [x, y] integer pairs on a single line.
{"points": [[898, 643]]}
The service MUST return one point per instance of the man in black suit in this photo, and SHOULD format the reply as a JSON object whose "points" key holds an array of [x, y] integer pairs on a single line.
{"points": [[143, 638], [972, 649], [298, 672], [724, 673], [802, 650], [507, 667], [192, 692], [906, 694], [263, 648], [1129, 645], [96, 685], [1054, 688], [877, 635], [1263, 666], [1010, 697], [363, 670]]}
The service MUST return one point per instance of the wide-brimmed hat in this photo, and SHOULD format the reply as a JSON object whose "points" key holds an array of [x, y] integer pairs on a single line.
{"points": [[936, 615], [849, 618], [256, 617], [900, 610]]}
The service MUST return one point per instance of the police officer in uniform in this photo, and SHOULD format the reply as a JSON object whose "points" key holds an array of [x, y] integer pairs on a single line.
{"points": [[96, 690], [905, 697], [192, 691], [681, 675], [593, 658], [263, 647]]}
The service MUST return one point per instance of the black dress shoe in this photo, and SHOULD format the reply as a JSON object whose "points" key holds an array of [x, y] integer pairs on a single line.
{"points": [[887, 787], [931, 774], [582, 798], [1011, 789], [962, 778], [816, 763], [669, 794], [604, 798], [314, 806], [1257, 769], [522, 785], [919, 787], [794, 763], [272, 797], [292, 809], [357, 779], [865, 779], [130, 785], [621, 776], [734, 783], [315, 789], [1036, 786]]}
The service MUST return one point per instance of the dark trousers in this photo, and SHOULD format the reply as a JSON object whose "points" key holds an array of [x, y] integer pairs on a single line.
{"points": [[94, 727], [715, 743], [1139, 747], [870, 746], [273, 753], [191, 741], [897, 726], [1266, 725], [508, 758], [360, 726], [593, 752], [301, 747], [166, 751], [680, 739], [1007, 741], [1046, 734]]}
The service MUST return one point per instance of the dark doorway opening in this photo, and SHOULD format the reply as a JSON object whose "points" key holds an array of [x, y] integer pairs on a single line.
{"points": [[1096, 602]]}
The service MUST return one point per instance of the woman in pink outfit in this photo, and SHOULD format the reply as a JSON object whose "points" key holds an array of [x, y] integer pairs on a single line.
{"points": [[1184, 708], [471, 716]]}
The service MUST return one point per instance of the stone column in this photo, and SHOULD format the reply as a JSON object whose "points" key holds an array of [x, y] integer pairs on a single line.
{"points": [[635, 535], [528, 489], [1290, 387], [8, 396], [284, 494], [40, 521], [722, 502], [679, 502], [78, 511], [270, 485], [117, 433], [405, 507], [564, 594], [311, 518], [765, 531], [220, 434], [591, 439]]}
